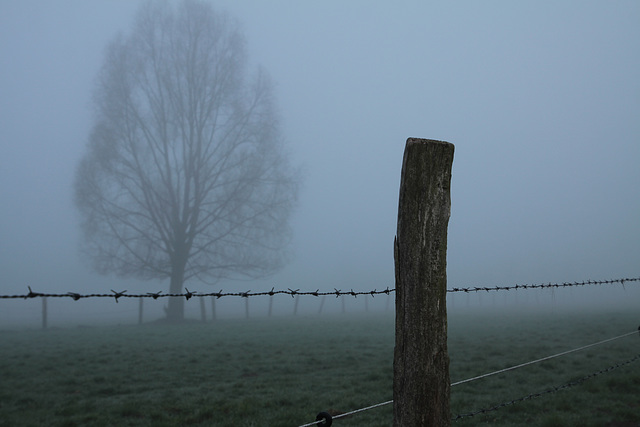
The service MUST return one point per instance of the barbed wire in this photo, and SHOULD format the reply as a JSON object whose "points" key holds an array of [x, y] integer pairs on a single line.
{"points": [[548, 391], [297, 292], [544, 285], [190, 294]]}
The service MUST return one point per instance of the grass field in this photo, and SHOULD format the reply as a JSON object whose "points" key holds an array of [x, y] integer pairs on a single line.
{"points": [[283, 371]]}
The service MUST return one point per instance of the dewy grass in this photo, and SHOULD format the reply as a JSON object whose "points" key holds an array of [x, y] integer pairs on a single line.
{"points": [[283, 371]]}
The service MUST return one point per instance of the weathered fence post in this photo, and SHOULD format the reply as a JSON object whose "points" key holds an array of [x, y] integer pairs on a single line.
{"points": [[421, 384], [321, 304], [203, 311], [213, 308], [140, 305]]}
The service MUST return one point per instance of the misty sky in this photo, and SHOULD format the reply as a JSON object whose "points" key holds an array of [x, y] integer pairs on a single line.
{"points": [[541, 99]]}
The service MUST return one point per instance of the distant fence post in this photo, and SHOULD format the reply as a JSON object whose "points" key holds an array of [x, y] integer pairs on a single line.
{"points": [[213, 308], [44, 312], [140, 305], [203, 311], [321, 304], [421, 387]]}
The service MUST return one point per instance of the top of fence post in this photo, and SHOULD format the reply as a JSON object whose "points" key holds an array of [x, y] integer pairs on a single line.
{"points": [[421, 386]]}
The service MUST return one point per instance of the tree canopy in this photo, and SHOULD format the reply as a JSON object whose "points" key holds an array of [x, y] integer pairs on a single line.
{"points": [[186, 173]]}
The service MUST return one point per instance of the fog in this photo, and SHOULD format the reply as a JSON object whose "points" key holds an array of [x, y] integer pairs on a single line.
{"points": [[542, 102]]}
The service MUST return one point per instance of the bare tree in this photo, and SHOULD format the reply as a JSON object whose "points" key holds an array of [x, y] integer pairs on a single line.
{"points": [[185, 173]]}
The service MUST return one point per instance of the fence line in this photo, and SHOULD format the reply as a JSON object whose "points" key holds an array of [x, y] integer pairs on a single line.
{"points": [[322, 417], [296, 292]]}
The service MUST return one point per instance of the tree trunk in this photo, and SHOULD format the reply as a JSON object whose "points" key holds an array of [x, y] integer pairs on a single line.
{"points": [[421, 385], [175, 310]]}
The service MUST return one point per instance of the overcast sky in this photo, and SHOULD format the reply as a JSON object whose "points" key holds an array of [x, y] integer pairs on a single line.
{"points": [[540, 98]]}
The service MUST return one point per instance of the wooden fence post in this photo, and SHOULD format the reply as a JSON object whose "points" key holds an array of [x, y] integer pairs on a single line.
{"points": [[213, 308], [421, 386], [203, 311], [321, 304], [140, 305]]}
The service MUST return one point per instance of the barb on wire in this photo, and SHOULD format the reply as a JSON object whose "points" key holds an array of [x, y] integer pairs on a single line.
{"points": [[117, 295], [31, 294], [548, 391], [189, 294], [75, 296]]}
